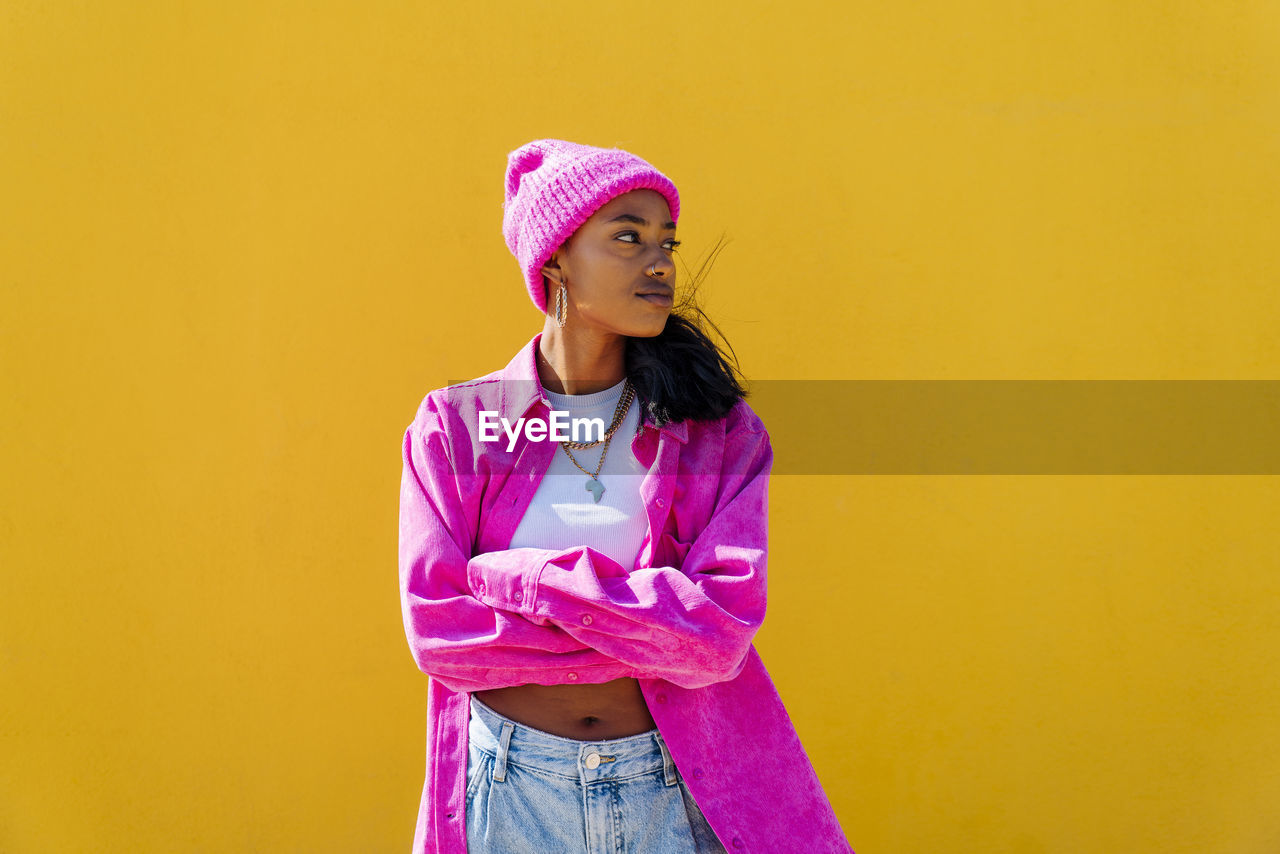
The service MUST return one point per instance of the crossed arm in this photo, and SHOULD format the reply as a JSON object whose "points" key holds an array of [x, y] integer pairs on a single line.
{"points": [[519, 616]]}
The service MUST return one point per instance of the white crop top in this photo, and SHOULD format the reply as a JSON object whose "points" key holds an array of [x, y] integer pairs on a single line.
{"points": [[563, 513]]}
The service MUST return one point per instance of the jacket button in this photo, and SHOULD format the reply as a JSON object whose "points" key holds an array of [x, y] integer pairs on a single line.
{"points": [[697, 772], [586, 620], [519, 596], [573, 677], [737, 843], [662, 698], [662, 502]]}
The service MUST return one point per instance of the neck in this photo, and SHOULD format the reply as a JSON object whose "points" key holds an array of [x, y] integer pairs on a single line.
{"points": [[582, 362]]}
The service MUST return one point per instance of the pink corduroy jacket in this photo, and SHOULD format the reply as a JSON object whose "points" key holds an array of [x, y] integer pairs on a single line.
{"points": [[480, 615]]}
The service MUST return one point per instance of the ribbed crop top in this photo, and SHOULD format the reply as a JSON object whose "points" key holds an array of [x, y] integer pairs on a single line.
{"points": [[563, 513]]}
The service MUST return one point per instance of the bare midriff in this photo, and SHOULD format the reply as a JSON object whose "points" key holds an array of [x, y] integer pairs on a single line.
{"points": [[583, 712]]}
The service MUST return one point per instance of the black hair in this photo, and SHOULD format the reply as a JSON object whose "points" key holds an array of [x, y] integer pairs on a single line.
{"points": [[681, 373]]}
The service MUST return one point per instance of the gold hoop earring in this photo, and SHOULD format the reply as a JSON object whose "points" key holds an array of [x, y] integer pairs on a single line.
{"points": [[561, 306]]}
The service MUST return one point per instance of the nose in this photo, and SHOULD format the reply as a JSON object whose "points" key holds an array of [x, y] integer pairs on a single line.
{"points": [[662, 268]]}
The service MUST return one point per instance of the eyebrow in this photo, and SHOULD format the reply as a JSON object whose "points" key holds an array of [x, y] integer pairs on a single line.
{"points": [[637, 220]]}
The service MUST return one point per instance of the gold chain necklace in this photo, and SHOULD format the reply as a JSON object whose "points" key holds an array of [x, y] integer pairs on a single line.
{"points": [[594, 486], [628, 391], [619, 412]]}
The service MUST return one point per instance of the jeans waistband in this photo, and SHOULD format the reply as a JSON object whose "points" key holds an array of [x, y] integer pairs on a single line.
{"points": [[587, 761]]}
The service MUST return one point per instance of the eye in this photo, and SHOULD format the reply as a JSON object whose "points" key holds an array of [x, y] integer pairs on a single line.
{"points": [[671, 240]]}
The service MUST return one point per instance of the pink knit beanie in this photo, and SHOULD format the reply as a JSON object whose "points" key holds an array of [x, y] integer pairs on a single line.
{"points": [[554, 186]]}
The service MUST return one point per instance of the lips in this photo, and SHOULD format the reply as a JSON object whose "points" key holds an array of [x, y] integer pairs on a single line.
{"points": [[663, 297]]}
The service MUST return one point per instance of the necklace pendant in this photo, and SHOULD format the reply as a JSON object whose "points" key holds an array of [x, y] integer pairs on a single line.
{"points": [[596, 488]]}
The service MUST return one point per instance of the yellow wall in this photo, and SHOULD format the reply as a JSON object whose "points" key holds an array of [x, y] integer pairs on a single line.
{"points": [[240, 241]]}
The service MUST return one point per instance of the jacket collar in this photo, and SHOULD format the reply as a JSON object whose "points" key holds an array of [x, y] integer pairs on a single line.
{"points": [[521, 388]]}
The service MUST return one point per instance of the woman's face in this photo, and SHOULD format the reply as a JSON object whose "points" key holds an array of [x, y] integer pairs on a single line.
{"points": [[607, 261]]}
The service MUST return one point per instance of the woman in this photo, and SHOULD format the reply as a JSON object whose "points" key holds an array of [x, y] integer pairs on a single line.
{"points": [[585, 605]]}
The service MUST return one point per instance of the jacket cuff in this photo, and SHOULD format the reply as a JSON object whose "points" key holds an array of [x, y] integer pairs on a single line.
{"points": [[503, 583]]}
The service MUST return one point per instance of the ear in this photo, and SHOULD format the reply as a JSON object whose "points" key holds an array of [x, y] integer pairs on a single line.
{"points": [[551, 271]]}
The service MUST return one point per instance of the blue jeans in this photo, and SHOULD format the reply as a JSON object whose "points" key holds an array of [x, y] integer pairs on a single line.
{"points": [[531, 791]]}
